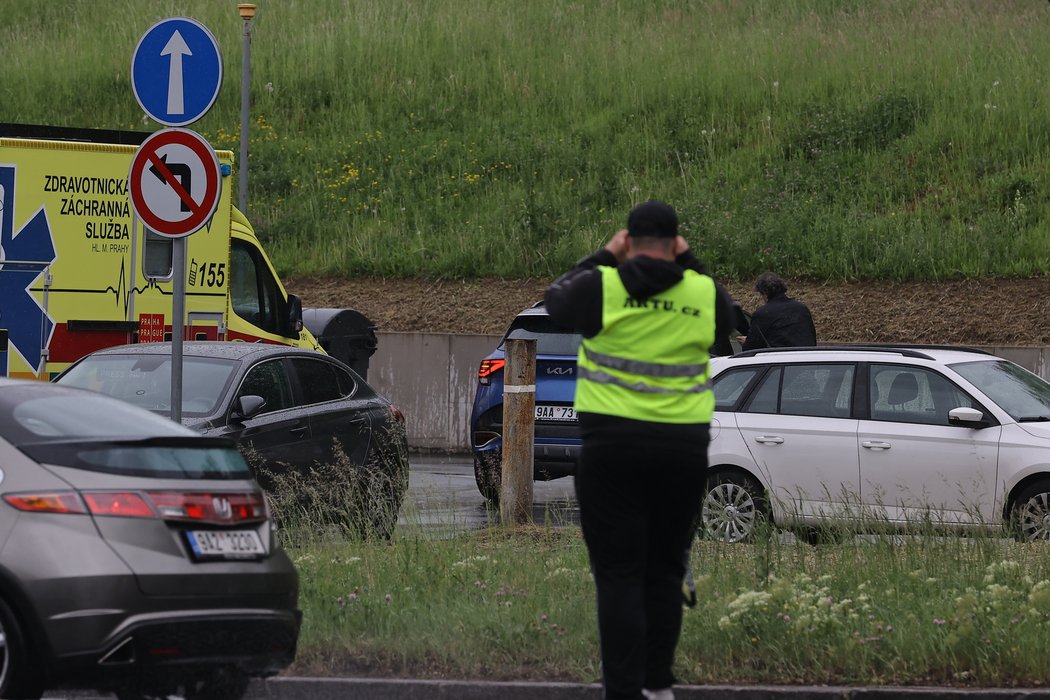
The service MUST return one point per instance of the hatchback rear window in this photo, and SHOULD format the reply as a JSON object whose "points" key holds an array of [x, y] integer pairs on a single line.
{"points": [[160, 458], [85, 415]]}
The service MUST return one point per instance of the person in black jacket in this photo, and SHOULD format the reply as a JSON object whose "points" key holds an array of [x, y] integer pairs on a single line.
{"points": [[644, 406], [781, 321]]}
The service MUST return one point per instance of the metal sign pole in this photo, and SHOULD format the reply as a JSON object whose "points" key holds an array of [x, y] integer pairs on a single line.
{"points": [[247, 12], [178, 322]]}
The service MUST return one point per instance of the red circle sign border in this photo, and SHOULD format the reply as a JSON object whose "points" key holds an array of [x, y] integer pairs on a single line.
{"points": [[207, 207]]}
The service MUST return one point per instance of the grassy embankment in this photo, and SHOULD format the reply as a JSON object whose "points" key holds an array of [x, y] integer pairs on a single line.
{"points": [[861, 138], [824, 139]]}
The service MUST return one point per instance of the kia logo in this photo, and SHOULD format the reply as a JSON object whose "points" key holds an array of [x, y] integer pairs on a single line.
{"points": [[222, 507], [560, 370]]}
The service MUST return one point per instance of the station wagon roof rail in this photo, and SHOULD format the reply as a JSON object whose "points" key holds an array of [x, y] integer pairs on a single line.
{"points": [[905, 350]]}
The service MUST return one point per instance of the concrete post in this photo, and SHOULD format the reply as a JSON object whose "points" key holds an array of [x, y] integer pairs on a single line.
{"points": [[519, 415]]}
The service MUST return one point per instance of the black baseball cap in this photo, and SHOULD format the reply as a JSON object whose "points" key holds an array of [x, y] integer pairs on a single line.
{"points": [[653, 219]]}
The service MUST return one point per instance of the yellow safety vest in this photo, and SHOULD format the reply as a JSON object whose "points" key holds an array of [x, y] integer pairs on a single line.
{"points": [[650, 360]]}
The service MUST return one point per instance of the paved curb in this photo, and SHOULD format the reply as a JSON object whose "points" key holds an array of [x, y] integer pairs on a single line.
{"points": [[302, 688]]}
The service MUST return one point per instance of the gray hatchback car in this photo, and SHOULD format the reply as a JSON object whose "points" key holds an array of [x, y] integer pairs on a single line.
{"points": [[135, 555]]}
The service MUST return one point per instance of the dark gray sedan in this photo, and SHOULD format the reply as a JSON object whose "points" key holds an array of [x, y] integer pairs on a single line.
{"points": [[320, 440], [135, 554]]}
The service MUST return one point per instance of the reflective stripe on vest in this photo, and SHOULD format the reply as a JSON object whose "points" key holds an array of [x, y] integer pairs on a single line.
{"points": [[650, 368], [650, 360]]}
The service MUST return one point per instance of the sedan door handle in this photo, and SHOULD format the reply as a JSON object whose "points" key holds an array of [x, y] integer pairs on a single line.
{"points": [[299, 431], [769, 440], [875, 445]]}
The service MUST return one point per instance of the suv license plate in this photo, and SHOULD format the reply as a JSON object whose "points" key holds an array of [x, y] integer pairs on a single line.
{"points": [[225, 544], [566, 413]]}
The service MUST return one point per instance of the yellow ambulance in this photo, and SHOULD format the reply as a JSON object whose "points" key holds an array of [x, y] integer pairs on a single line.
{"points": [[78, 272]]}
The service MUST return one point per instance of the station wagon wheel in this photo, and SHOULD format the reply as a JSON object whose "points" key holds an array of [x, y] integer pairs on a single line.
{"points": [[734, 507], [1030, 515], [20, 677]]}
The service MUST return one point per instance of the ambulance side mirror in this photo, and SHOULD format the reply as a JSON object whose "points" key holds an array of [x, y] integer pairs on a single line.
{"points": [[295, 315]]}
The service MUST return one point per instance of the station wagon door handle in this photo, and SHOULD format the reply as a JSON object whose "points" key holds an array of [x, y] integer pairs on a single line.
{"points": [[875, 445], [769, 439], [298, 431]]}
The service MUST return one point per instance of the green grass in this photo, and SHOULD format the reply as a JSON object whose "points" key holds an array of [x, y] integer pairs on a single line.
{"points": [[828, 139], [518, 604]]}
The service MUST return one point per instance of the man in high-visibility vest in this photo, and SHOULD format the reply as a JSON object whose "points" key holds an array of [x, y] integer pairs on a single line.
{"points": [[649, 313]]}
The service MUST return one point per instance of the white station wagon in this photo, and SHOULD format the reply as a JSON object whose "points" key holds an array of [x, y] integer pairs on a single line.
{"points": [[873, 437]]}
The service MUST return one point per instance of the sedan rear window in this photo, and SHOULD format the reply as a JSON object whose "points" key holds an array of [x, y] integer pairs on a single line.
{"points": [[145, 380]]}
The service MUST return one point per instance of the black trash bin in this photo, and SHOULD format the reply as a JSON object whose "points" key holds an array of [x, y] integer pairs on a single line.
{"points": [[345, 334]]}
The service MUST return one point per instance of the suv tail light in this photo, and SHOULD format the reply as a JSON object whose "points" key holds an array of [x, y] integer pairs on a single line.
{"points": [[488, 368], [218, 508]]}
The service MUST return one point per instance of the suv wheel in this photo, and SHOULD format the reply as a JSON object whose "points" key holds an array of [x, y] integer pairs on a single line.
{"points": [[1030, 514], [488, 474], [734, 506]]}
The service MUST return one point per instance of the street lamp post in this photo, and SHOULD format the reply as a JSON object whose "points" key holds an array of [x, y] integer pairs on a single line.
{"points": [[247, 12]]}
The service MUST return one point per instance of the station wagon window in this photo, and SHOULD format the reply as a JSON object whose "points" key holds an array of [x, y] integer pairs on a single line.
{"points": [[906, 394], [729, 386], [765, 400], [824, 391], [319, 381], [270, 381]]}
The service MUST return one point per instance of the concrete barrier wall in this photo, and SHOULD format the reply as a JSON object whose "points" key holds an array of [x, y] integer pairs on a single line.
{"points": [[432, 376]]}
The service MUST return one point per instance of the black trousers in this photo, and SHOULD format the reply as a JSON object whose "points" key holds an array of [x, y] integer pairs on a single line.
{"points": [[638, 507]]}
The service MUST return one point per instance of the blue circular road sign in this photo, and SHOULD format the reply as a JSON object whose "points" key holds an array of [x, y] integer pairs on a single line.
{"points": [[176, 71]]}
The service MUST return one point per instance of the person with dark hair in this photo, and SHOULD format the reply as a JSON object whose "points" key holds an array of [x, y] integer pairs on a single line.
{"points": [[649, 313], [781, 321]]}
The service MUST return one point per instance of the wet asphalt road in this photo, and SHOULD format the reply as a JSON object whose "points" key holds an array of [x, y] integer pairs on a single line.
{"points": [[442, 497]]}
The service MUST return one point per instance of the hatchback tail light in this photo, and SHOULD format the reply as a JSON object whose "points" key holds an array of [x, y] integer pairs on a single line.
{"points": [[64, 502], [123, 504], [398, 415], [217, 508], [488, 368]]}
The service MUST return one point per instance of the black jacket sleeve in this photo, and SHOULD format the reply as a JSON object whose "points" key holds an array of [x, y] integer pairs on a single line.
{"points": [[756, 335], [574, 300]]}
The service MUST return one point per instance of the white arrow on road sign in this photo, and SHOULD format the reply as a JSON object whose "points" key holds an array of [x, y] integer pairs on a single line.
{"points": [[176, 48], [176, 71]]}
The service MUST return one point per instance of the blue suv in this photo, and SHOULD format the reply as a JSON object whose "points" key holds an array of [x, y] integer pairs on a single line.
{"points": [[557, 436]]}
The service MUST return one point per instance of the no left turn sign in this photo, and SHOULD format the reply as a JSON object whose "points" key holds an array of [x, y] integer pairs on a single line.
{"points": [[175, 182]]}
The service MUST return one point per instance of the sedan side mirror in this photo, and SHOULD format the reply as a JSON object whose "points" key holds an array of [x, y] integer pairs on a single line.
{"points": [[246, 406], [969, 417]]}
